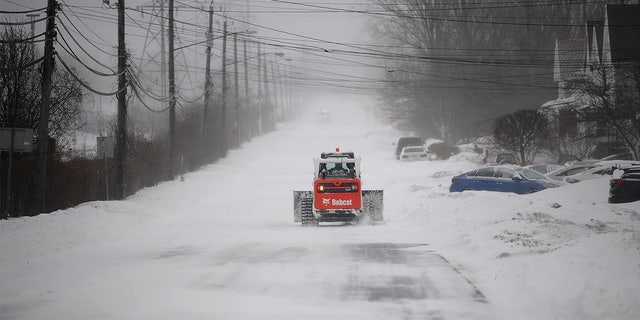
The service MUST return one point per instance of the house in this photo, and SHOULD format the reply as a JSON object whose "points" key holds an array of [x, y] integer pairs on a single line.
{"points": [[613, 42], [569, 61]]}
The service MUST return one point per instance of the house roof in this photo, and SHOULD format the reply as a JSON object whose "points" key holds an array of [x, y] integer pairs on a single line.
{"points": [[623, 23], [556, 105], [570, 58], [559, 103]]}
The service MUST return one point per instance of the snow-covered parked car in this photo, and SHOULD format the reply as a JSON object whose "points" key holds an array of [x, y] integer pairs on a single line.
{"points": [[503, 178], [593, 173], [414, 153], [407, 142], [544, 168], [566, 171], [626, 186], [605, 170], [563, 173]]}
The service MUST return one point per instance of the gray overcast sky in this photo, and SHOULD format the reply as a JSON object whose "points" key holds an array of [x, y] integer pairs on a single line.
{"points": [[278, 23]]}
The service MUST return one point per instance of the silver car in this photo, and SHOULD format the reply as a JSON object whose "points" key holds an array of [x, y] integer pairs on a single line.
{"points": [[544, 168], [562, 173]]}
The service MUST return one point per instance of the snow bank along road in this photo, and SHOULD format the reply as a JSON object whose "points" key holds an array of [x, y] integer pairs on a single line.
{"points": [[223, 245]]}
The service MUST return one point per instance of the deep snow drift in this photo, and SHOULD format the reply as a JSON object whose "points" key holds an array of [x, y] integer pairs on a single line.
{"points": [[563, 253]]}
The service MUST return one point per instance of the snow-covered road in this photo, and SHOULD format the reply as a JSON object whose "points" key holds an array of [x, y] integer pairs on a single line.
{"points": [[223, 245]]}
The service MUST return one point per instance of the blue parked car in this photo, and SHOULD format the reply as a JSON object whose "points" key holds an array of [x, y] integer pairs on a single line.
{"points": [[503, 179]]}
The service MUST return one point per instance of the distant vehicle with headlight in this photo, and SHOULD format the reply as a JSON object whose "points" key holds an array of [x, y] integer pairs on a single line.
{"points": [[324, 116]]}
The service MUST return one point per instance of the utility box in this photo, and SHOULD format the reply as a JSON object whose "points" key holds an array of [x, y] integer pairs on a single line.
{"points": [[22, 139], [105, 147]]}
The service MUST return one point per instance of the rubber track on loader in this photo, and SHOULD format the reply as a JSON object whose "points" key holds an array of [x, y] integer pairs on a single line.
{"points": [[373, 204], [306, 213]]}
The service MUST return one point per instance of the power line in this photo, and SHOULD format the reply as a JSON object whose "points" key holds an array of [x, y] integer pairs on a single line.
{"points": [[66, 48], [364, 50], [85, 85], [23, 40], [135, 88], [134, 77], [113, 72], [88, 28], [22, 12], [23, 23]]}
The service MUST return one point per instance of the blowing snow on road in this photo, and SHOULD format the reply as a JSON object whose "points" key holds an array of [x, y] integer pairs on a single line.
{"points": [[223, 244]]}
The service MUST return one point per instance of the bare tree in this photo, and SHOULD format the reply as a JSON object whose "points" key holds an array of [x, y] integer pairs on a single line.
{"points": [[20, 88], [612, 97], [464, 57], [522, 133]]}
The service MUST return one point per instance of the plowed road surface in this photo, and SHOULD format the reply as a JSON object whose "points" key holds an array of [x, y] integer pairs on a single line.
{"points": [[223, 245]]}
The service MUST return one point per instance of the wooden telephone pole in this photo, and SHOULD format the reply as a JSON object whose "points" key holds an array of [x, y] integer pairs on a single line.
{"points": [[45, 102], [225, 136], [247, 103], [172, 97], [260, 100], [122, 107], [236, 126], [208, 84]]}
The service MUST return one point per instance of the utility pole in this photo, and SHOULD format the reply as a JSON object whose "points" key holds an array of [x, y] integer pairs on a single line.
{"points": [[236, 127], [208, 84], [274, 112], [33, 16], [259, 93], [122, 105], [249, 113], [172, 97], [163, 58], [266, 92], [284, 84], [278, 81], [225, 140], [45, 101]]}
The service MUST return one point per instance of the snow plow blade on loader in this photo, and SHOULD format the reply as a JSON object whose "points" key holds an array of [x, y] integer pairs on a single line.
{"points": [[372, 206], [302, 201]]}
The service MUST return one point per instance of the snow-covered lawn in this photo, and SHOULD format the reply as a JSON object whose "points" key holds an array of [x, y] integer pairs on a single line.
{"points": [[563, 253]]}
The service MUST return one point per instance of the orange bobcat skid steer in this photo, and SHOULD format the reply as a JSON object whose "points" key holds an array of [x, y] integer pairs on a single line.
{"points": [[337, 194]]}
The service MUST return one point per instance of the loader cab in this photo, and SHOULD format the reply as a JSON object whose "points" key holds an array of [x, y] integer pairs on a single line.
{"points": [[342, 166], [336, 170]]}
